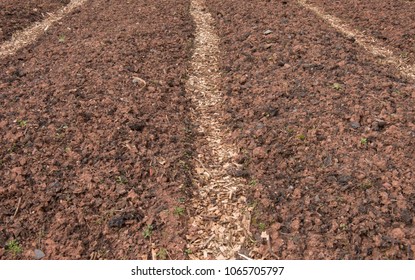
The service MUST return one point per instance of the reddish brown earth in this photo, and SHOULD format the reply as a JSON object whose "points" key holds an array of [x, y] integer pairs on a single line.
{"points": [[392, 22], [326, 134], [96, 163], [96, 141], [16, 14]]}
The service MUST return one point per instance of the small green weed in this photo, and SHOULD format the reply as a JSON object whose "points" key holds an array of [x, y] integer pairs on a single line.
{"points": [[363, 141], [179, 211], [162, 254], [400, 93], [148, 231], [22, 123], [253, 204], [404, 55], [301, 137], [12, 149], [14, 247], [344, 227], [290, 131], [366, 185], [253, 182], [262, 226], [188, 251], [61, 38]]}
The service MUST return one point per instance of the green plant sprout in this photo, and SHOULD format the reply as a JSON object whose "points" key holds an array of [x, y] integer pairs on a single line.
{"points": [[179, 211], [61, 38], [14, 247], [22, 123], [148, 231]]}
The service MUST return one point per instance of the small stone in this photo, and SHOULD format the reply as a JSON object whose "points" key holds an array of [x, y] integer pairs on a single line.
{"points": [[120, 190], [297, 48], [398, 233], [281, 63], [259, 152], [406, 217], [295, 225], [355, 125], [268, 46], [132, 195], [117, 221], [137, 80], [243, 80], [386, 185], [296, 193], [39, 254], [267, 32], [137, 126], [271, 111], [381, 164], [344, 179], [328, 160], [378, 125]]}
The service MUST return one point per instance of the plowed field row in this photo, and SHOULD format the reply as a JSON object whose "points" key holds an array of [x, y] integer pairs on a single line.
{"points": [[207, 129]]}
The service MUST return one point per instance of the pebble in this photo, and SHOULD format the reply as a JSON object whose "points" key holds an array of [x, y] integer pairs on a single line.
{"points": [[259, 152], [344, 179], [378, 125], [355, 125], [267, 32], [117, 221], [398, 233], [39, 254], [268, 46]]}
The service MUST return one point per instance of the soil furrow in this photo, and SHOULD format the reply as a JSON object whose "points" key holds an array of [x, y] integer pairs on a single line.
{"points": [[219, 224]]}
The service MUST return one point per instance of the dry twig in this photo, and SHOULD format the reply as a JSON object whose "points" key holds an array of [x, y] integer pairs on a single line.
{"points": [[17, 208]]}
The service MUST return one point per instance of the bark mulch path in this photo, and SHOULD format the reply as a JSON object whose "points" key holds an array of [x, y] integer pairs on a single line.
{"points": [[95, 138], [219, 225], [326, 134], [16, 14]]}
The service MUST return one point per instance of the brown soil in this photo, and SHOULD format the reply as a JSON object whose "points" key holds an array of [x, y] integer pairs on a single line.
{"points": [[390, 21], [326, 133], [99, 137], [94, 162], [16, 14]]}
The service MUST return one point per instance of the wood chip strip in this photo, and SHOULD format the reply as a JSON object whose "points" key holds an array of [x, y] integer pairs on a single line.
{"points": [[219, 197]]}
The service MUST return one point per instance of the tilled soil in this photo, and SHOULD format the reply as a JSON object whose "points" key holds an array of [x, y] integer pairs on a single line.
{"points": [[390, 21], [16, 14], [95, 138], [326, 133], [98, 135]]}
